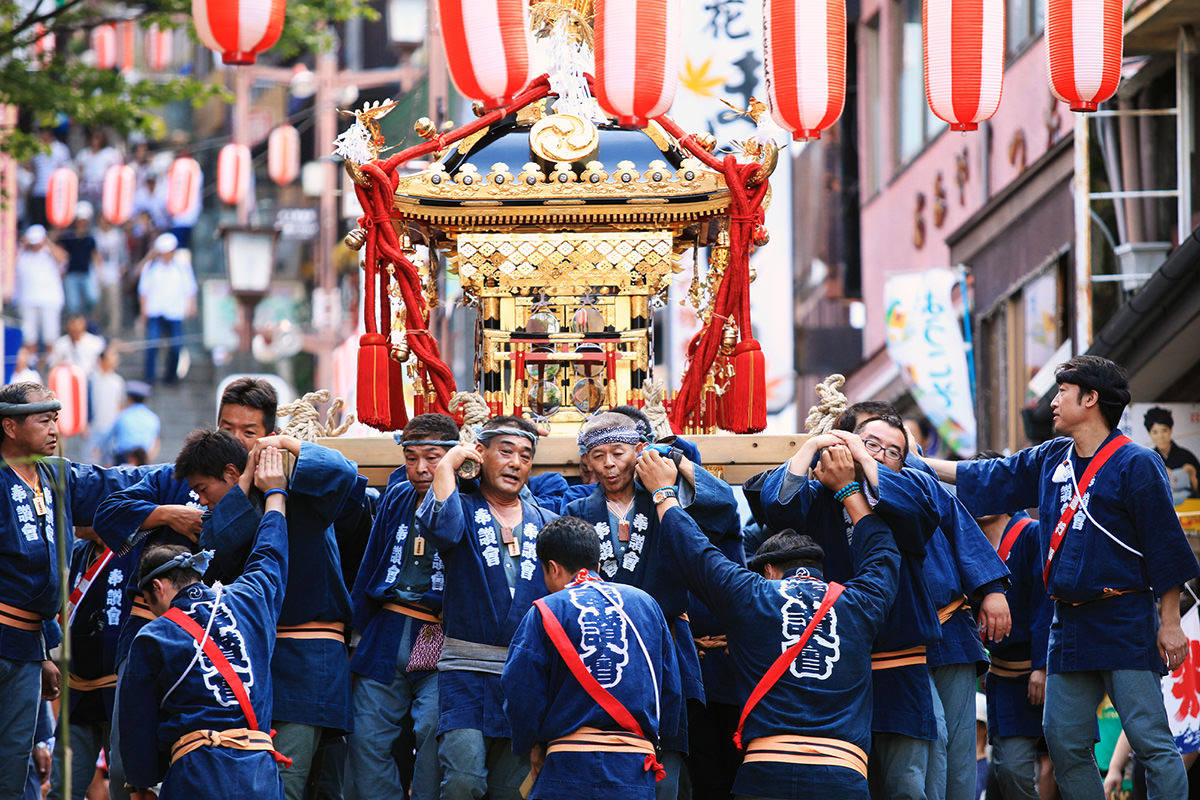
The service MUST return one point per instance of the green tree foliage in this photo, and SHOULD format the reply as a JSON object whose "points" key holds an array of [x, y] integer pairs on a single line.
{"points": [[62, 83]]}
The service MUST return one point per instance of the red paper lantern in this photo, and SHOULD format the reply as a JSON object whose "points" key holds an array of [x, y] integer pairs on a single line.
{"points": [[233, 173], [964, 59], [1083, 51], [69, 384], [283, 155], [183, 186], [116, 201], [487, 47], [127, 45], [805, 44], [61, 195], [637, 58], [238, 29], [104, 45], [46, 44], [160, 48]]}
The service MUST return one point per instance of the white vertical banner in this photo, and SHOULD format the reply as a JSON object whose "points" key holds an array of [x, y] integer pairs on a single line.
{"points": [[1181, 690], [925, 341], [723, 60]]}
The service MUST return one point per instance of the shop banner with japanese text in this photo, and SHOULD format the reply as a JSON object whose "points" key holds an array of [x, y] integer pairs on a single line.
{"points": [[925, 341], [1181, 689], [722, 62]]}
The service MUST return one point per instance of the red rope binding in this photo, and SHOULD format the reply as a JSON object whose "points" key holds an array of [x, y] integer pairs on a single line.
{"points": [[377, 381], [746, 412]]}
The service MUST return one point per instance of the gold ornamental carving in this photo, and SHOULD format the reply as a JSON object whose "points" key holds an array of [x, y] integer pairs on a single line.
{"points": [[563, 137], [512, 260]]}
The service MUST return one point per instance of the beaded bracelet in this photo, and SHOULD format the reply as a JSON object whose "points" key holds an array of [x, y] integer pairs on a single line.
{"points": [[270, 492], [846, 491]]}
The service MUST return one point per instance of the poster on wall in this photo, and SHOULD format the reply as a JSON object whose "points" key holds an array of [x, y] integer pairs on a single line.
{"points": [[1173, 431], [926, 343], [722, 60]]}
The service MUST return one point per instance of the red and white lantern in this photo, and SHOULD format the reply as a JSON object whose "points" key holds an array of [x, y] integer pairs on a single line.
{"points": [[806, 74], [487, 47], [127, 45], [104, 45], [233, 173], [238, 30], [62, 193], [46, 43], [1083, 51], [116, 203], [964, 59], [283, 155], [183, 186], [69, 384], [160, 48], [637, 58]]}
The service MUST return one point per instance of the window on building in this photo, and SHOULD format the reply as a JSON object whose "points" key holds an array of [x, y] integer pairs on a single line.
{"points": [[1019, 335], [916, 123], [873, 132], [1025, 20]]}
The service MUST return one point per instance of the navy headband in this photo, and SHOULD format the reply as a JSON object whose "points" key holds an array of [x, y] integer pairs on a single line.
{"points": [[194, 561], [400, 440]]}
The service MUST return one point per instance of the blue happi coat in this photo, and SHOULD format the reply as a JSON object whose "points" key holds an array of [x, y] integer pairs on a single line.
{"points": [[1009, 711], [119, 519], [95, 627], [166, 690], [392, 573], [640, 562], [904, 701], [479, 605], [630, 654], [311, 676], [959, 560], [28, 551], [1129, 540], [827, 691]]}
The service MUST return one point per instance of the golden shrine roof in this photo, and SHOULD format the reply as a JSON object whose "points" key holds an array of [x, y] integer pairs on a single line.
{"points": [[506, 176]]}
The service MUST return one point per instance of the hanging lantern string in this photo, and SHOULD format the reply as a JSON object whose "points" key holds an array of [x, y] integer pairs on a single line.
{"points": [[376, 194], [747, 189]]}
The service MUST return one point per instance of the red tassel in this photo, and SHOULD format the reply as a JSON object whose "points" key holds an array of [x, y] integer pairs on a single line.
{"points": [[746, 409], [374, 407], [399, 410]]}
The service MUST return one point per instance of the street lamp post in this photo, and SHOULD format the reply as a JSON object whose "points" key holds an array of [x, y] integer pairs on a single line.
{"points": [[250, 263], [331, 84]]}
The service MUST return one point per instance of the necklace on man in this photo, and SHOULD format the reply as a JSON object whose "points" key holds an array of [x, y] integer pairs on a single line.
{"points": [[506, 530], [622, 523]]}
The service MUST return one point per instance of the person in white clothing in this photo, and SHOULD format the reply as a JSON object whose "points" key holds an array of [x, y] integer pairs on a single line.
{"points": [[38, 289], [167, 296], [107, 399], [54, 154], [113, 247], [78, 346]]}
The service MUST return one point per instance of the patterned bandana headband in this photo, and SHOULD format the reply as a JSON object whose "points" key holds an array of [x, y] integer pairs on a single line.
{"points": [[490, 433], [21, 409], [594, 438], [195, 561]]}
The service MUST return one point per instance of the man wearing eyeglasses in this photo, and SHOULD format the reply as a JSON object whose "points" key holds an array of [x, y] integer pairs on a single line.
{"points": [[906, 709], [959, 564]]}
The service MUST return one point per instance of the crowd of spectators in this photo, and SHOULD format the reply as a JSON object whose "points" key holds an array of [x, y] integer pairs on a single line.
{"points": [[115, 288]]}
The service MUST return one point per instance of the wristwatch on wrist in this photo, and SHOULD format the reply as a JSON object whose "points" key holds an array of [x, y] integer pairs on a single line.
{"points": [[664, 493]]}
